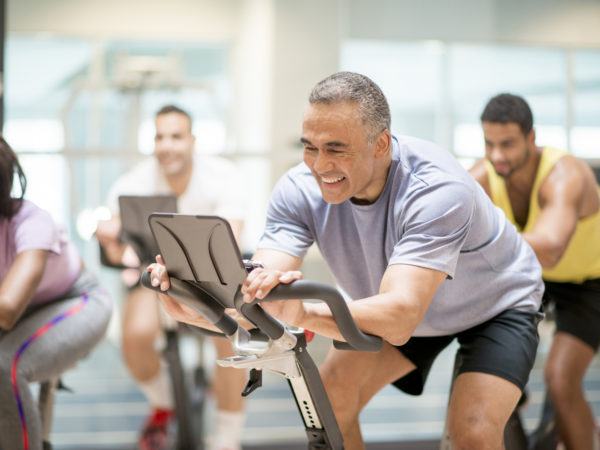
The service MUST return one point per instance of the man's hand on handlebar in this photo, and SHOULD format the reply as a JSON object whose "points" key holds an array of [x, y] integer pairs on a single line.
{"points": [[261, 281]]}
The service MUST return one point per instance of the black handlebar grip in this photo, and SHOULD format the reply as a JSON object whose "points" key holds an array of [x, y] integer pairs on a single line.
{"points": [[305, 289], [198, 300], [145, 281], [262, 320]]}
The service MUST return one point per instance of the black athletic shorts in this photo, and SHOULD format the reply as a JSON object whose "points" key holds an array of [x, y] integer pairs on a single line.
{"points": [[576, 309], [504, 346]]}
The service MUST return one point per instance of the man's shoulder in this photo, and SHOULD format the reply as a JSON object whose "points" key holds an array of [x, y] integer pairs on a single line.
{"points": [[297, 175], [300, 170], [561, 171], [297, 186], [426, 164], [560, 166], [479, 171], [422, 157], [140, 179]]}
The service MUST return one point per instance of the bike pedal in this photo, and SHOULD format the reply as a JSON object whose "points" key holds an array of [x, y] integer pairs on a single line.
{"points": [[254, 382]]}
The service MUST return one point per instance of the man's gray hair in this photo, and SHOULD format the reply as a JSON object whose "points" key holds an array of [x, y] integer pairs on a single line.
{"points": [[340, 87]]}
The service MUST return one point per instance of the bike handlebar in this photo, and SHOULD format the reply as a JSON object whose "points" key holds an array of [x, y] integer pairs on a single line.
{"points": [[198, 300], [306, 289], [206, 305]]}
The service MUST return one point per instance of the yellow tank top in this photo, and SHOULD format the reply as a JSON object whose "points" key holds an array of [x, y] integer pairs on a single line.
{"points": [[581, 260]]}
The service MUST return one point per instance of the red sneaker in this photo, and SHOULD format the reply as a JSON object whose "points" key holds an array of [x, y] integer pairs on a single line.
{"points": [[154, 433]]}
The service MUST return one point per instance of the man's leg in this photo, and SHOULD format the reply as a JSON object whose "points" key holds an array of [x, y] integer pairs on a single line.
{"points": [[228, 384], [141, 327], [353, 378], [567, 362], [479, 408]]}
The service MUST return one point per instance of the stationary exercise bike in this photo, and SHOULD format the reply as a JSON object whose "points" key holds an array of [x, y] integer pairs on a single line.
{"points": [[206, 273], [189, 392]]}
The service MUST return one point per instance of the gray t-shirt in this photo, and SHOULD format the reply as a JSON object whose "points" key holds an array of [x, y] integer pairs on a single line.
{"points": [[431, 214]]}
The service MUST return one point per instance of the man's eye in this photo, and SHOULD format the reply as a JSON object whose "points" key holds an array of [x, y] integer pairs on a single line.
{"points": [[310, 149]]}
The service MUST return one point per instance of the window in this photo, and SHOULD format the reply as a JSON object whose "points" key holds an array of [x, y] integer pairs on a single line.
{"points": [[437, 90], [585, 134]]}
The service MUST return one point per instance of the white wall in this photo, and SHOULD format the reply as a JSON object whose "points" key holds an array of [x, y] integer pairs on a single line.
{"points": [[556, 22], [147, 19]]}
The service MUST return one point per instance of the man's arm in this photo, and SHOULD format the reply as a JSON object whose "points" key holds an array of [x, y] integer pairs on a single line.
{"points": [[560, 199], [118, 254], [107, 233], [393, 314], [274, 259]]}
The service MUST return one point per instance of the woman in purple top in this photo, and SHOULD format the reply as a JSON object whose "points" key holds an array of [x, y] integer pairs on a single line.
{"points": [[52, 310]]}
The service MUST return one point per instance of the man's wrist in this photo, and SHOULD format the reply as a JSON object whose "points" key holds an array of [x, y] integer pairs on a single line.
{"points": [[311, 312]]}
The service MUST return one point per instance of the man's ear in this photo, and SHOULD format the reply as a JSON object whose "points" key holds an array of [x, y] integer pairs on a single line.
{"points": [[383, 143], [530, 138]]}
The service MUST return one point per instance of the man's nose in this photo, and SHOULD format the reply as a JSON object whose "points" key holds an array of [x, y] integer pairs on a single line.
{"points": [[494, 153], [163, 144], [322, 162]]}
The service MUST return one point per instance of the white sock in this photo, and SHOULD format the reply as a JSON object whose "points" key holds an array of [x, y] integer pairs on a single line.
{"points": [[227, 430], [158, 390]]}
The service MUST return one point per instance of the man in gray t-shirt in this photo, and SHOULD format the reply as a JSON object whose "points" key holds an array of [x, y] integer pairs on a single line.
{"points": [[422, 252], [431, 214]]}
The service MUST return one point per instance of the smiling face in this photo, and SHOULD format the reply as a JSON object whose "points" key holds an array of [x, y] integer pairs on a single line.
{"points": [[173, 143], [506, 147], [338, 152]]}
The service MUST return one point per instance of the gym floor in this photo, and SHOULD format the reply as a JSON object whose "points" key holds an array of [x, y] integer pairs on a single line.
{"points": [[106, 409]]}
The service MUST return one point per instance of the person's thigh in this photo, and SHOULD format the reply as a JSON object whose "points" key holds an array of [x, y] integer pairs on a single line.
{"points": [[352, 378], [567, 361], [141, 319]]}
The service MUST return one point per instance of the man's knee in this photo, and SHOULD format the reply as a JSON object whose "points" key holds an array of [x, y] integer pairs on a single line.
{"points": [[343, 394], [559, 379], [563, 389], [336, 380], [475, 433], [139, 336], [140, 327]]}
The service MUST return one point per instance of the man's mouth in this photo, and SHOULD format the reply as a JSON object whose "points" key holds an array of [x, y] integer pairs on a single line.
{"points": [[332, 180], [501, 168]]}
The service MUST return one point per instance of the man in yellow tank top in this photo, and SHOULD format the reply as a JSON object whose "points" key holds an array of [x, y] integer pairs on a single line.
{"points": [[552, 198]]}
